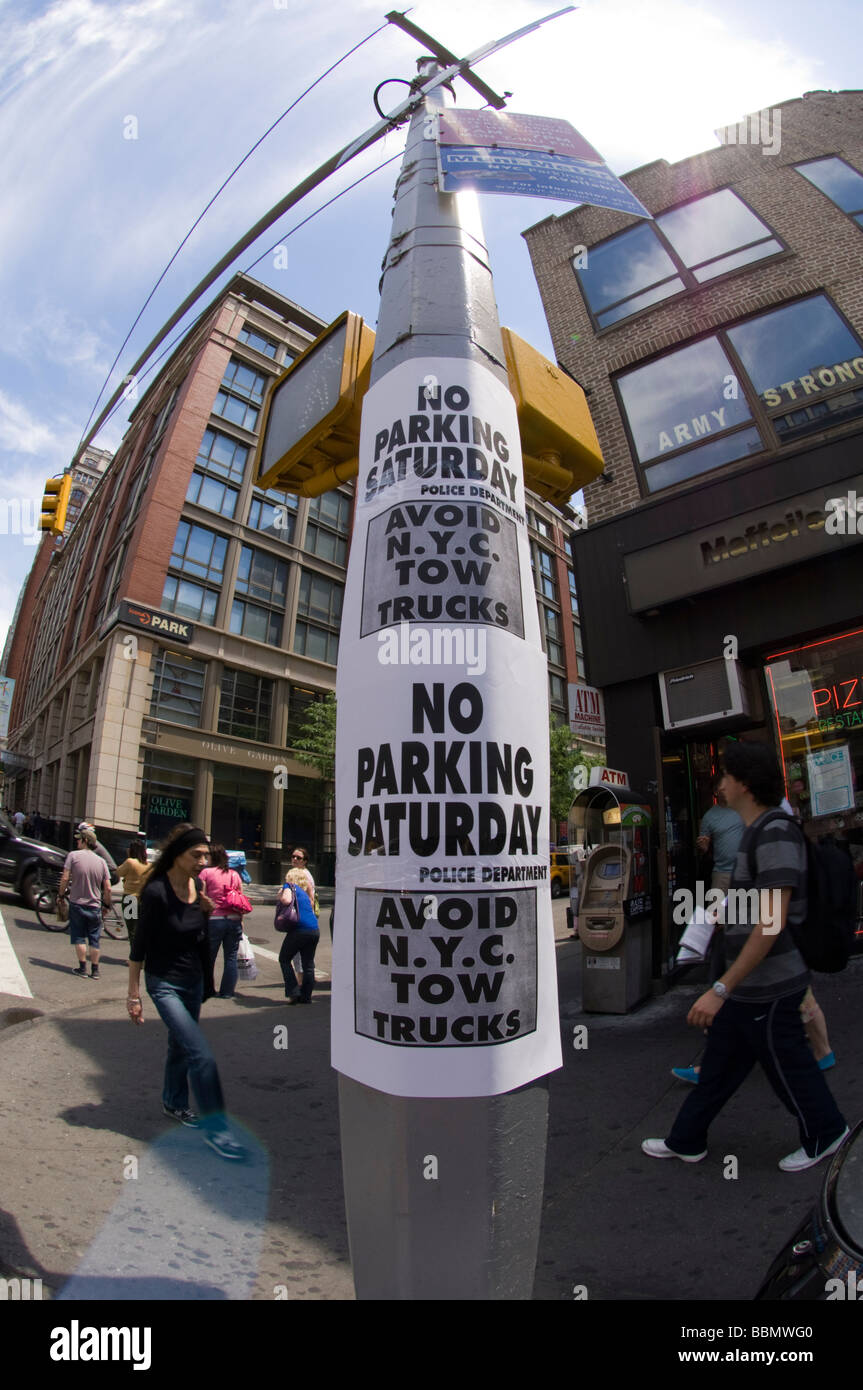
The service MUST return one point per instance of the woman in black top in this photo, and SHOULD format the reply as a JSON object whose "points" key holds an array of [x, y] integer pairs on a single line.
{"points": [[171, 941]]}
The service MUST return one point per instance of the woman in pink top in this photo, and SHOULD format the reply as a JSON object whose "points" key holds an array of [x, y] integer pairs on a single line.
{"points": [[226, 924]]}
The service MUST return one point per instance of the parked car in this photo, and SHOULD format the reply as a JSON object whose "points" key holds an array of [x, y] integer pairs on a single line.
{"points": [[560, 872], [823, 1259], [25, 863]]}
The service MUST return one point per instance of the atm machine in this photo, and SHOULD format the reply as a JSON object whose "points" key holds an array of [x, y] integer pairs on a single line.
{"points": [[610, 825]]}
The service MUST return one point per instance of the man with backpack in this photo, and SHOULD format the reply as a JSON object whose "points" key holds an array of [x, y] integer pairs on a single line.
{"points": [[752, 1011]]}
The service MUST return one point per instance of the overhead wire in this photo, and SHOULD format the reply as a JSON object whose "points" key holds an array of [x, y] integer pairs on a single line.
{"points": [[190, 328], [212, 200]]}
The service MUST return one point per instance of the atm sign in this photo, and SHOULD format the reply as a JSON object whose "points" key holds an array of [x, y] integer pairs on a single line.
{"points": [[608, 777]]}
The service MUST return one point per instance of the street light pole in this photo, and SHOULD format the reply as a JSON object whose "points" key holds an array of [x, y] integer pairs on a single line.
{"points": [[443, 1100]]}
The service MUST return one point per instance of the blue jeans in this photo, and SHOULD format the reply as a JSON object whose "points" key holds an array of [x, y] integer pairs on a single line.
{"points": [[189, 1053], [226, 932], [306, 942]]}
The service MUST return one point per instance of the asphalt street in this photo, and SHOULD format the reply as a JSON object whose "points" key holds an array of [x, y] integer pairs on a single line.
{"points": [[102, 1196]]}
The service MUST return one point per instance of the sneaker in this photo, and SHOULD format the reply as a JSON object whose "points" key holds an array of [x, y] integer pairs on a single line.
{"points": [[800, 1159], [657, 1148], [81, 971], [186, 1117], [688, 1074], [224, 1144], [825, 1063], [94, 972]]}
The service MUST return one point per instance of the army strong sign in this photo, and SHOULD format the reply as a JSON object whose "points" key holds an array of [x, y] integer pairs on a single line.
{"points": [[443, 972]]}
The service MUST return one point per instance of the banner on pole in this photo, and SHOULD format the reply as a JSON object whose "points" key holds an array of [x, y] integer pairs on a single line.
{"points": [[533, 156], [444, 980]]}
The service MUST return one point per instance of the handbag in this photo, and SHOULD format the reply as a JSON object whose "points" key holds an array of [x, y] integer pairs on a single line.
{"points": [[235, 901], [247, 966], [287, 914]]}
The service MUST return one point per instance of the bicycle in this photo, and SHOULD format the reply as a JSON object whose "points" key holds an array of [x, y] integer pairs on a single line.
{"points": [[53, 916]]}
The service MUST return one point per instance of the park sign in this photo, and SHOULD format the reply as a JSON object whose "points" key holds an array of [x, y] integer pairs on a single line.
{"points": [[532, 156]]}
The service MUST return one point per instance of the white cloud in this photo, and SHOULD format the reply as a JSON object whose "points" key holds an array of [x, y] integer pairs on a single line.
{"points": [[21, 432]]}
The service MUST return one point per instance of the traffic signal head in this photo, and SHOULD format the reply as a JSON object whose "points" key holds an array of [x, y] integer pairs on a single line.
{"points": [[558, 441], [311, 424], [55, 503]]}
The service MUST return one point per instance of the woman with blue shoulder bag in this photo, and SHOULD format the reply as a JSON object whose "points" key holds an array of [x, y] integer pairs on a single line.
{"points": [[295, 916]]}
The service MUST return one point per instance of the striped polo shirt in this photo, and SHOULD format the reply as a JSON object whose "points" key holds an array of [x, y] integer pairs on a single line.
{"points": [[780, 862]]}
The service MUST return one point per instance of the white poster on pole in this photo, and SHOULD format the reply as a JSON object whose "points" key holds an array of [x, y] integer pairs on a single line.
{"points": [[444, 980]]}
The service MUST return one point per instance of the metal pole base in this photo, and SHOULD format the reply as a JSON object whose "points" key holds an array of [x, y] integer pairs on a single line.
{"points": [[443, 1197]]}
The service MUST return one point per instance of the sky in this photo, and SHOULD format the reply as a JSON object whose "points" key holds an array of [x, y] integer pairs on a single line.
{"points": [[118, 122]]}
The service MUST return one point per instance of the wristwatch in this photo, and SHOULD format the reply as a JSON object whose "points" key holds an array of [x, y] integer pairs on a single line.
{"points": [[719, 988]]}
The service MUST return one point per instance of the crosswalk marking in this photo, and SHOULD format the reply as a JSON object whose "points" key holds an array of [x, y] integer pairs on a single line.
{"points": [[12, 977]]}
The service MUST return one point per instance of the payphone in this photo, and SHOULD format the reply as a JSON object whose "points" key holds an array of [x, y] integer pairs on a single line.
{"points": [[610, 826]]}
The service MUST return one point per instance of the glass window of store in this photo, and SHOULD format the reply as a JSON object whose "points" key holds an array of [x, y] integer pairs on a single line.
{"points": [[167, 792], [757, 385], [239, 799], [816, 692]]}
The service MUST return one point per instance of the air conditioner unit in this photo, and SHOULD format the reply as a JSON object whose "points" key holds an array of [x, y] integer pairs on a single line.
{"points": [[703, 693]]}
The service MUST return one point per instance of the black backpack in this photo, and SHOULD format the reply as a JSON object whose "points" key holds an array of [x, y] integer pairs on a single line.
{"points": [[825, 939]]}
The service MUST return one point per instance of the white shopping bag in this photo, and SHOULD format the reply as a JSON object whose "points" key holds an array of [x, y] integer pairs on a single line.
{"points": [[246, 963]]}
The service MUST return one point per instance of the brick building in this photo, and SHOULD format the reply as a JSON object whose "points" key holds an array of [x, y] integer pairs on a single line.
{"points": [[721, 575], [168, 647]]}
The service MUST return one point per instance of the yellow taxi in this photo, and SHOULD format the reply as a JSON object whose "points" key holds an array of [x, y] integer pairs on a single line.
{"points": [[560, 872]]}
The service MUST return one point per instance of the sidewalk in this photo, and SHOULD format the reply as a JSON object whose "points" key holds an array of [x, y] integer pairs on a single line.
{"points": [[80, 1108]]}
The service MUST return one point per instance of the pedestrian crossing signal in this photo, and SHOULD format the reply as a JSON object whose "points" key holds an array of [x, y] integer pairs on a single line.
{"points": [[55, 504]]}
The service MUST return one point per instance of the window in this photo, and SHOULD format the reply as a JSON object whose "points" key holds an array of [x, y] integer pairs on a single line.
{"points": [[263, 578], [688, 412], [189, 600], [241, 394], [178, 689], [839, 182], [320, 600], [274, 514], [245, 706], [167, 791], [553, 646], [210, 493], [327, 528], [680, 399], [573, 596], [199, 552], [805, 364], [681, 249], [258, 340], [221, 456], [260, 624], [547, 586], [557, 690]]}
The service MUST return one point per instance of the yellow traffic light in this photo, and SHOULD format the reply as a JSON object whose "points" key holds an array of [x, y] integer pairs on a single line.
{"points": [[311, 424], [558, 441], [55, 504]]}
